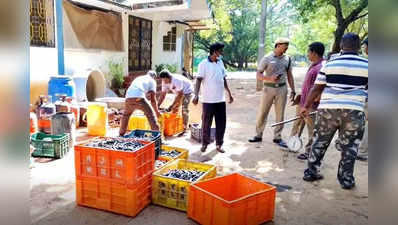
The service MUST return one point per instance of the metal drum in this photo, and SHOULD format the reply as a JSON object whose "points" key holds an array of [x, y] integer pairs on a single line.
{"points": [[62, 123]]}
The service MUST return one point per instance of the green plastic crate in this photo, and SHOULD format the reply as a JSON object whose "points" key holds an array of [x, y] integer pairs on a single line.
{"points": [[56, 148]]}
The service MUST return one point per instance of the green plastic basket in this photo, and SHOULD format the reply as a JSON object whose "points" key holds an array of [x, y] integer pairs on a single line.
{"points": [[56, 148]]}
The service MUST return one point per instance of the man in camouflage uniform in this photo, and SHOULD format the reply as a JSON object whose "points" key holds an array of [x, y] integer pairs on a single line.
{"points": [[342, 83], [363, 147]]}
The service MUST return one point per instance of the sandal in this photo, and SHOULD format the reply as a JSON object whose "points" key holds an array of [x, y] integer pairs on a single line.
{"points": [[219, 149]]}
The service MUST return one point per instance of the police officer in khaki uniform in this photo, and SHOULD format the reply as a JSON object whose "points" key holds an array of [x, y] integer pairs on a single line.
{"points": [[277, 68]]}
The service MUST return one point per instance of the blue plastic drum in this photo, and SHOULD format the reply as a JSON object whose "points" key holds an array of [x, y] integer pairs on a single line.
{"points": [[61, 85]]}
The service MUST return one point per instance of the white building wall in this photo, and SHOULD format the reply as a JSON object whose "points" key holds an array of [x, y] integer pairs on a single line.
{"points": [[44, 61], [166, 57]]}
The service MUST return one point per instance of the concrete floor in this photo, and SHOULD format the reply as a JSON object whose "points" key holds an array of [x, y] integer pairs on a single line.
{"points": [[297, 202]]}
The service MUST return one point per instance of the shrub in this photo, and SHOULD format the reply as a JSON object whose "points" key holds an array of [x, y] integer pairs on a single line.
{"points": [[170, 67], [116, 73]]}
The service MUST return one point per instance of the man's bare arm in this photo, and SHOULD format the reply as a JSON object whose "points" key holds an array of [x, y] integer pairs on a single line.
{"points": [[197, 89]]}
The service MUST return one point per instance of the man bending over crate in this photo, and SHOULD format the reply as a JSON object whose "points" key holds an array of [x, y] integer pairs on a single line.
{"points": [[141, 87], [182, 88]]}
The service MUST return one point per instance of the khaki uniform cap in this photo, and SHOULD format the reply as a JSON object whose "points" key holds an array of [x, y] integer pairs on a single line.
{"points": [[282, 41]]}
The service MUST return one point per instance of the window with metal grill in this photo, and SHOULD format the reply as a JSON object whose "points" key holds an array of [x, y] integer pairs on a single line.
{"points": [[169, 41]]}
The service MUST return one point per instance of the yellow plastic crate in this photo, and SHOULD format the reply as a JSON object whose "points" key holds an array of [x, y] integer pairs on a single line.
{"points": [[172, 192], [167, 161], [183, 155], [140, 122]]}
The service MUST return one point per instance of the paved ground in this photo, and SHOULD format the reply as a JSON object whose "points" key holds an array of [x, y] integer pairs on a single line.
{"points": [[297, 202]]}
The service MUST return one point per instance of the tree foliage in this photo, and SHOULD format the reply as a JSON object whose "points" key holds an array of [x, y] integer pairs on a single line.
{"points": [[236, 24], [319, 28], [345, 12]]}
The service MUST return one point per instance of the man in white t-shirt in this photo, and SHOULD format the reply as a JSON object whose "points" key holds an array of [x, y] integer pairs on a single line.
{"points": [[212, 77], [141, 87], [182, 88]]}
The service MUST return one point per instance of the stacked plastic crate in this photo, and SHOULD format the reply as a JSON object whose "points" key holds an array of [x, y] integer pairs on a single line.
{"points": [[114, 180], [170, 124], [172, 192], [169, 154], [147, 135]]}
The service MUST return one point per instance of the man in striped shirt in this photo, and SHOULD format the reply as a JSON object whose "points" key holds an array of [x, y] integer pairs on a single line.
{"points": [[341, 84]]}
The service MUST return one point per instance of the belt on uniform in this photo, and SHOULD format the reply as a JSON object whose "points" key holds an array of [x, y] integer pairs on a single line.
{"points": [[274, 85], [136, 99]]}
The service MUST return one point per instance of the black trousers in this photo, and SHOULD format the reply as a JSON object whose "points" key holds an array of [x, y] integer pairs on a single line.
{"points": [[217, 110]]}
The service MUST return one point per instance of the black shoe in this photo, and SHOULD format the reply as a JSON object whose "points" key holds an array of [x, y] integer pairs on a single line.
{"points": [[280, 142], [362, 158], [311, 177], [255, 139], [203, 148], [303, 156], [348, 187]]}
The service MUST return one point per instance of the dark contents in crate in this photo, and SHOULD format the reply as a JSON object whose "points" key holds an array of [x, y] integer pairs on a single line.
{"points": [[116, 145], [147, 136], [173, 153], [188, 175], [159, 163]]}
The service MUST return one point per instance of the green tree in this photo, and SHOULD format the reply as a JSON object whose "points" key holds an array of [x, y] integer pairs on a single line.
{"points": [[319, 28], [261, 38], [346, 12], [236, 24], [281, 17]]}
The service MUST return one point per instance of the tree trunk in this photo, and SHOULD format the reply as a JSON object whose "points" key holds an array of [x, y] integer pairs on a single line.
{"points": [[261, 39], [343, 23], [240, 64], [338, 34]]}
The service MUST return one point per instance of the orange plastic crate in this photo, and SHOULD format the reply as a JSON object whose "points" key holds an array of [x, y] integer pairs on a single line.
{"points": [[231, 200], [173, 124], [112, 196], [122, 167], [44, 125]]}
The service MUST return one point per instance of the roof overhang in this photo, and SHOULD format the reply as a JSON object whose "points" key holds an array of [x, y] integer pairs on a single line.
{"points": [[189, 10], [197, 25]]}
